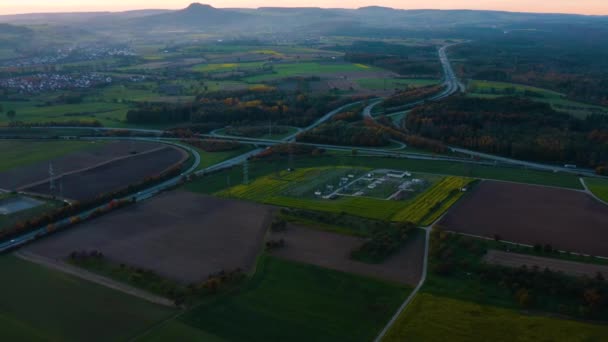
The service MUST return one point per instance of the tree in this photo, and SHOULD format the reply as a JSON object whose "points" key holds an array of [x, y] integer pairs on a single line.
{"points": [[11, 115]]}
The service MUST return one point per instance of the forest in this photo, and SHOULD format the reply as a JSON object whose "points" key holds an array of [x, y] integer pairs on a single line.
{"points": [[514, 127], [238, 108]]}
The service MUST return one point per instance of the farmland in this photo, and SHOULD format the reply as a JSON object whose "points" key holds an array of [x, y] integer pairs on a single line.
{"points": [[310, 69], [19, 153], [165, 235], [48, 305], [310, 245], [110, 177], [433, 203], [599, 187], [431, 318], [331, 305], [567, 220], [32, 158]]}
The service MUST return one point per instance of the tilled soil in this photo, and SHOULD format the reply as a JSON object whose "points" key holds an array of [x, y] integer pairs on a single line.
{"points": [[567, 220], [113, 176], [23, 176], [180, 235], [331, 250]]}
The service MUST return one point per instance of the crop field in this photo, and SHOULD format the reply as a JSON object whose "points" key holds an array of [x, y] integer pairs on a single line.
{"points": [[567, 220], [429, 206], [114, 175], [310, 69], [31, 158], [599, 187], [179, 235], [394, 83], [332, 306], [47, 305], [104, 112], [222, 67], [432, 318], [310, 244], [22, 153]]}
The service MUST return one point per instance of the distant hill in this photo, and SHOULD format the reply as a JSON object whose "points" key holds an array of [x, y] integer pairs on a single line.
{"points": [[196, 17], [305, 21]]}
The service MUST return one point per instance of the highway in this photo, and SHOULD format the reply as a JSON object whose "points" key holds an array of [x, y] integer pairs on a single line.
{"points": [[452, 85]]}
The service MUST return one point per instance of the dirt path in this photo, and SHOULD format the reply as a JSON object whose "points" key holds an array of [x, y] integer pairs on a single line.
{"points": [[92, 277]]}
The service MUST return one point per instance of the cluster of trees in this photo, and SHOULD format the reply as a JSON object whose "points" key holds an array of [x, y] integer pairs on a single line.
{"points": [[240, 108], [530, 287], [383, 243], [213, 145], [514, 127], [414, 61], [413, 140], [344, 133], [411, 95], [255, 131]]}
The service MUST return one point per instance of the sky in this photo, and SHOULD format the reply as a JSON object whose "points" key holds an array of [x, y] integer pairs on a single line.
{"points": [[596, 7]]}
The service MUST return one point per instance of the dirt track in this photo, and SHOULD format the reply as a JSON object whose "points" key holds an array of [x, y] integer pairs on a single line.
{"points": [[21, 176], [332, 251], [180, 235], [568, 220], [115, 175], [567, 267], [86, 275]]}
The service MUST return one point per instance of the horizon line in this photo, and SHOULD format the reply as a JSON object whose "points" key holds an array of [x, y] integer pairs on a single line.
{"points": [[101, 11]]}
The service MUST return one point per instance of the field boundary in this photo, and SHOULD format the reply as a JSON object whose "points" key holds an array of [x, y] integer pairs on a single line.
{"points": [[94, 278], [587, 190]]}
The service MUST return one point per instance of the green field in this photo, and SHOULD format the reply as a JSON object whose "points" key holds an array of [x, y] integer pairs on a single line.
{"points": [[20, 153], [309, 69], [212, 158], [110, 114], [557, 100], [288, 301], [599, 187], [223, 67], [394, 83], [435, 318], [43, 305]]}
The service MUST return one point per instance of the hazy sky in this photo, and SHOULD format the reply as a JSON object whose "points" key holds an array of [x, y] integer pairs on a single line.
{"points": [[562, 6]]}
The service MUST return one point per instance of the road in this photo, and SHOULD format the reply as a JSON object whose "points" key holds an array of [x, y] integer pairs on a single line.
{"points": [[140, 196]]}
